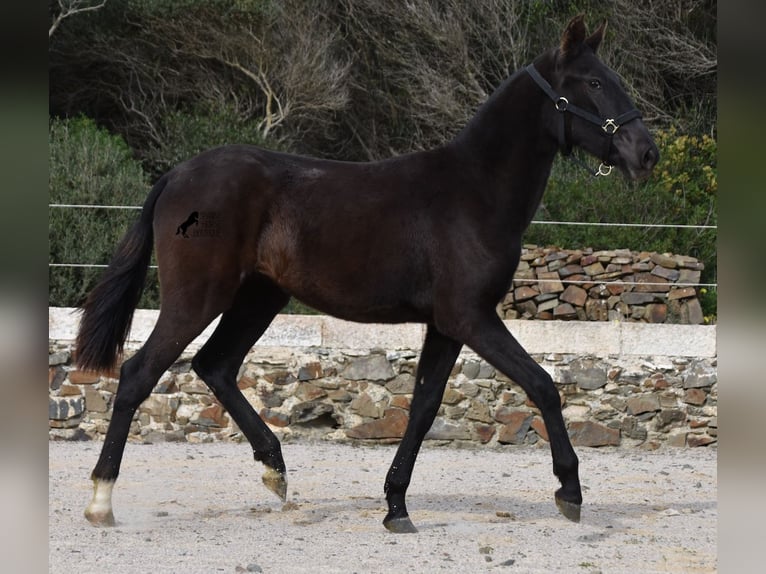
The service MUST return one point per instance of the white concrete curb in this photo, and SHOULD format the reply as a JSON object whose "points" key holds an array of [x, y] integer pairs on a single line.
{"points": [[599, 339]]}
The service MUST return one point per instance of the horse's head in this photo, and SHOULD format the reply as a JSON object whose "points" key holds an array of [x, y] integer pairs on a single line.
{"points": [[591, 109]]}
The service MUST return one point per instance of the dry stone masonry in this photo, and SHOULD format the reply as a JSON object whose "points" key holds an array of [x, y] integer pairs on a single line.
{"points": [[622, 285], [621, 384]]}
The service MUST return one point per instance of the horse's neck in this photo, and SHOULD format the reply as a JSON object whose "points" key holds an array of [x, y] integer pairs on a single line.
{"points": [[508, 139]]}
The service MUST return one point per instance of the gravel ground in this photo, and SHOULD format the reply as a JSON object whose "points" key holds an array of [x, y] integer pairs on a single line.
{"points": [[201, 508]]}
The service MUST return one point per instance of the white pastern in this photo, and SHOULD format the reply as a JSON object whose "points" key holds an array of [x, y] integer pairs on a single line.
{"points": [[99, 511]]}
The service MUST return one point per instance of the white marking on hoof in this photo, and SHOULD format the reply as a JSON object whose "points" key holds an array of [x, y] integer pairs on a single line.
{"points": [[99, 511], [276, 482]]}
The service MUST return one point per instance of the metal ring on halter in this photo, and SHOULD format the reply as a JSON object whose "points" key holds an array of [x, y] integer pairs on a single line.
{"points": [[604, 169], [561, 104], [610, 124]]}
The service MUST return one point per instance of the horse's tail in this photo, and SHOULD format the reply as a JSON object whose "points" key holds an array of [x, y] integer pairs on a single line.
{"points": [[108, 310]]}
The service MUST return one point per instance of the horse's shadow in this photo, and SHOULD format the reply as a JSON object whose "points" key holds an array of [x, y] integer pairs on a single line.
{"points": [[454, 511]]}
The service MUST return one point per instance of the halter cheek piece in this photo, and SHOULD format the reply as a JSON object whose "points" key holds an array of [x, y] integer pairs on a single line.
{"points": [[609, 125]]}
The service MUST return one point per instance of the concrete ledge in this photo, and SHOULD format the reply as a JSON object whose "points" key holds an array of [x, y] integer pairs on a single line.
{"points": [[670, 340], [293, 331], [338, 334], [576, 337], [567, 337]]}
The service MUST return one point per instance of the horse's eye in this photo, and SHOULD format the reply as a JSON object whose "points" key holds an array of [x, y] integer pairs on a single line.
{"points": [[595, 84]]}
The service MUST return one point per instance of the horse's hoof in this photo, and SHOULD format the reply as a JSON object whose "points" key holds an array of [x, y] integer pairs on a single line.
{"points": [[570, 510], [99, 518], [276, 482], [402, 525]]}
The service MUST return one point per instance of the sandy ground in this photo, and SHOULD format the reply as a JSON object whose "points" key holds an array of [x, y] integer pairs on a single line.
{"points": [[201, 508]]}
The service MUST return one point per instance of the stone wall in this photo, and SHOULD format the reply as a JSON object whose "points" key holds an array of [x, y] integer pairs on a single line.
{"points": [[621, 285], [621, 384]]}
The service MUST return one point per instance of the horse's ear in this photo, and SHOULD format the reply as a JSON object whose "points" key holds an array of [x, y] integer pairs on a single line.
{"points": [[574, 35], [594, 40]]}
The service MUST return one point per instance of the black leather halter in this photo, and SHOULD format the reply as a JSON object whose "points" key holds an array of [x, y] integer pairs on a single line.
{"points": [[609, 125]]}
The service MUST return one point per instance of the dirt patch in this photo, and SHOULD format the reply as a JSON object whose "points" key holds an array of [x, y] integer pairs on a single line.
{"points": [[202, 508]]}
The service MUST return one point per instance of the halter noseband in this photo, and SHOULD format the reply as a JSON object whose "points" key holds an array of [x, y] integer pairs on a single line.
{"points": [[609, 125]]}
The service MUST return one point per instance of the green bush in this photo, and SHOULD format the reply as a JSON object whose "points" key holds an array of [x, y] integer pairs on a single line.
{"points": [[92, 167], [681, 191]]}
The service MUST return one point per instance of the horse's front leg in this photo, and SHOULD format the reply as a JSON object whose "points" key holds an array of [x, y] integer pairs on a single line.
{"points": [[436, 362], [487, 335]]}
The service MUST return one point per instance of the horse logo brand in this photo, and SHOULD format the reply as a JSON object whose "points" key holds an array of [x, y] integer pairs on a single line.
{"points": [[193, 219], [206, 224]]}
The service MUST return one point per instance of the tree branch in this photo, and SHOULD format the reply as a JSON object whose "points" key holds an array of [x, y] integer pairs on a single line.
{"points": [[69, 8]]}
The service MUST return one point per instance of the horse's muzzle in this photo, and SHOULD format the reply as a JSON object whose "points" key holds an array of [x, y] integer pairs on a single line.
{"points": [[649, 159], [636, 152]]}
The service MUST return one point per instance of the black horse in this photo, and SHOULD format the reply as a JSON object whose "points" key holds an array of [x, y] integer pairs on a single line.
{"points": [[431, 237]]}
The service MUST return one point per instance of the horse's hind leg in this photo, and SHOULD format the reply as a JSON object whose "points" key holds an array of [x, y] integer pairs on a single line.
{"points": [[138, 376], [436, 361], [217, 363]]}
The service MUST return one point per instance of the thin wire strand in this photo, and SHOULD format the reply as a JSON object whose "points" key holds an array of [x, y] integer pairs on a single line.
{"points": [[605, 282], [599, 224], [82, 206], [516, 280], [534, 222], [86, 265]]}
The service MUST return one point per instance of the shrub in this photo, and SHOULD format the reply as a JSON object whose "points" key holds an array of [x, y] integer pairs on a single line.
{"points": [[185, 133], [89, 166]]}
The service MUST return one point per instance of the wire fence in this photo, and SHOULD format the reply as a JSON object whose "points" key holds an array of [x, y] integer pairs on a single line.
{"points": [[592, 281]]}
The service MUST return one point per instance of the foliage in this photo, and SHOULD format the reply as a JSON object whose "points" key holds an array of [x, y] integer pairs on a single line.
{"points": [[88, 166], [184, 134], [361, 79], [135, 63], [672, 47]]}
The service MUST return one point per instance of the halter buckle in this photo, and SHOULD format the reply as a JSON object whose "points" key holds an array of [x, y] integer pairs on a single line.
{"points": [[561, 104], [610, 126], [604, 169]]}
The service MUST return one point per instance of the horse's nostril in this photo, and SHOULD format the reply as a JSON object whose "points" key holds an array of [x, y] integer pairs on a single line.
{"points": [[650, 157]]}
